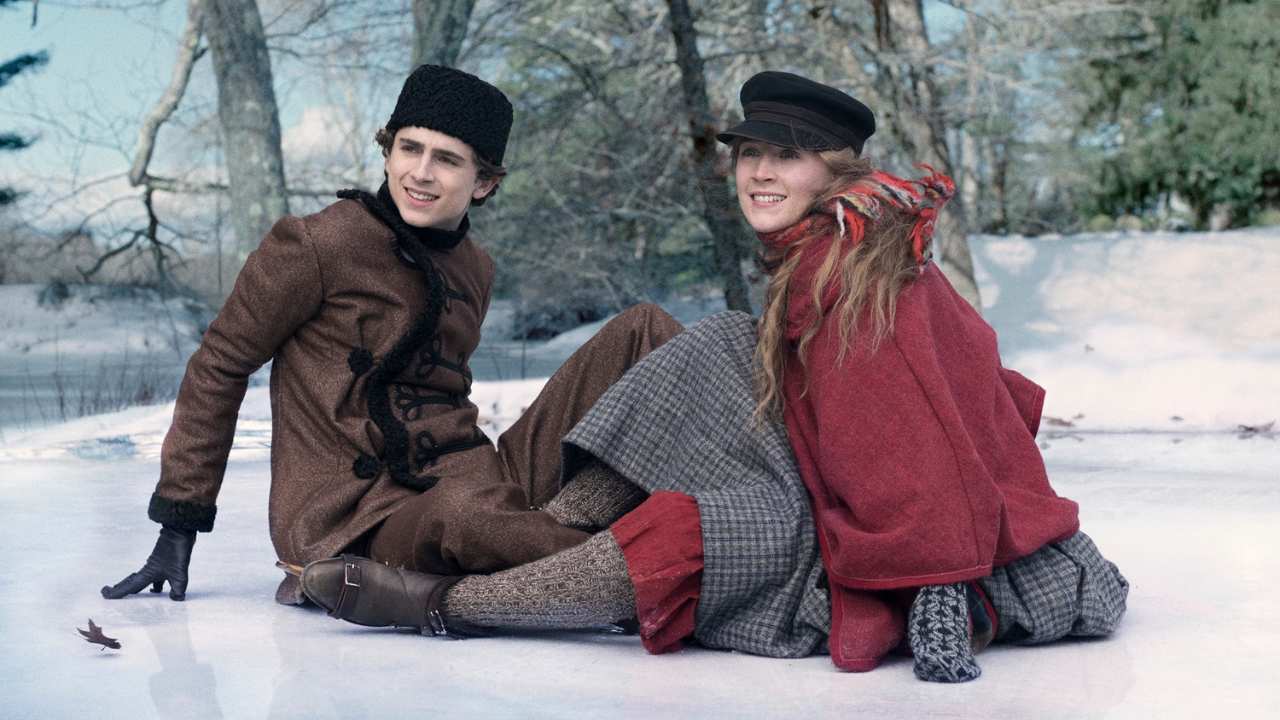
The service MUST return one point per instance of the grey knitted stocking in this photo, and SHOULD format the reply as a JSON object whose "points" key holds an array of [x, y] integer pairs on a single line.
{"points": [[594, 499], [938, 631], [584, 586]]}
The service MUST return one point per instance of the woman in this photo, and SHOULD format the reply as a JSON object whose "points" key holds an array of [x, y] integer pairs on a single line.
{"points": [[868, 412]]}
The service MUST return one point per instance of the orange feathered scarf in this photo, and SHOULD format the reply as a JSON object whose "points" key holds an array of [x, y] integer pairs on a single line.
{"points": [[865, 200]]}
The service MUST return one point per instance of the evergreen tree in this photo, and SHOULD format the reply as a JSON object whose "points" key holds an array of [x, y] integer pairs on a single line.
{"points": [[1184, 98], [8, 70]]}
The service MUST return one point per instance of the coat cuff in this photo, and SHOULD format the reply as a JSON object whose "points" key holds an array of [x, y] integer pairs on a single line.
{"points": [[180, 514]]}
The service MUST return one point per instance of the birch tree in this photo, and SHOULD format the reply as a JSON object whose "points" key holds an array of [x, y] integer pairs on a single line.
{"points": [[248, 117]]}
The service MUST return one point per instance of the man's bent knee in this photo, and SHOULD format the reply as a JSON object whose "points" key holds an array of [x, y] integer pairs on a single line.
{"points": [[656, 321]]}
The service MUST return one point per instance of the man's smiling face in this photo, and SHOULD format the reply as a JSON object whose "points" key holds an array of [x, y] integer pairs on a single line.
{"points": [[432, 178]]}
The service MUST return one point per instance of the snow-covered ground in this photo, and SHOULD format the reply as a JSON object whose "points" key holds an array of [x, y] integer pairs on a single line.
{"points": [[95, 347], [1126, 332]]}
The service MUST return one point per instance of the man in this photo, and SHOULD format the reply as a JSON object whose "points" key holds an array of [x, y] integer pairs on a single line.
{"points": [[371, 309]]}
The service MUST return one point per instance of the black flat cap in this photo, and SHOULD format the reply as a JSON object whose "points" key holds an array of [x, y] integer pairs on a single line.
{"points": [[455, 103], [792, 111]]}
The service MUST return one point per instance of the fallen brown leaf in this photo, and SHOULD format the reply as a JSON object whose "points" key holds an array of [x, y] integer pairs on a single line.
{"points": [[95, 636]]}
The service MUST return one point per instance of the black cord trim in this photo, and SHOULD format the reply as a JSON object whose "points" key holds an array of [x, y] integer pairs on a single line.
{"points": [[428, 450], [422, 483], [432, 357], [395, 435], [449, 296], [415, 242], [181, 514], [411, 399]]}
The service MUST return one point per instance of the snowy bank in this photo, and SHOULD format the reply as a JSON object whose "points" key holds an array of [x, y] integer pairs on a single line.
{"points": [[1171, 332], [69, 350], [43, 322]]}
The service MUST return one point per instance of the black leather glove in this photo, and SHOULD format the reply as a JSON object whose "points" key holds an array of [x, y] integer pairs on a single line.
{"points": [[169, 561]]}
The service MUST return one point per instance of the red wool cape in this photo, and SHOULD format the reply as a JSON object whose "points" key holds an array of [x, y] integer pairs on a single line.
{"points": [[920, 457]]}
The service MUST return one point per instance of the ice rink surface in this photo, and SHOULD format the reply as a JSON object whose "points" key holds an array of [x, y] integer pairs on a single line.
{"points": [[1192, 524]]}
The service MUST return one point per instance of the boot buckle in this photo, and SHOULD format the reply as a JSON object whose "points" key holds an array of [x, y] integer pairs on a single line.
{"points": [[348, 592], [435, 623], [350, 575]]}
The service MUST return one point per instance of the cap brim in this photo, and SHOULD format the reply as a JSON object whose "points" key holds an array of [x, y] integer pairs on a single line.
{"points": [[776, 134]]}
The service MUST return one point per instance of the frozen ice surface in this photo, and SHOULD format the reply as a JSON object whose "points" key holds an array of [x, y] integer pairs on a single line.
{"points": [[1190, 523]]}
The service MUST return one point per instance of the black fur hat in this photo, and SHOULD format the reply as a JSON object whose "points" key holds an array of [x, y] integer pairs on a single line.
{"points": [[458, 104]]}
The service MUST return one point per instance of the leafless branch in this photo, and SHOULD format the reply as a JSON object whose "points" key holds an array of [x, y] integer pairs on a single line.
{"points": [[188, 52], [135, 236], [187, 187]]}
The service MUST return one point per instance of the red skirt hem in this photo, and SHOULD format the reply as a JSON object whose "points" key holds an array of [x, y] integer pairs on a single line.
{"points": [[662, 543]]}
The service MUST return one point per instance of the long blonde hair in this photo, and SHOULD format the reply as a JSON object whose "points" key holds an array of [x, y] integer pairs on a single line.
{"points": [[875, 269]]}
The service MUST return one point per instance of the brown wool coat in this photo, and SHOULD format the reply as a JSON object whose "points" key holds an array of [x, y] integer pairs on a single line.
{"points": [[317, 291]]}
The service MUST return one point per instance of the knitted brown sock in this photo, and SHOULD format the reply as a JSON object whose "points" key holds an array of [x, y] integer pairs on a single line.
{"points": [[584, 586], [594, 499]]}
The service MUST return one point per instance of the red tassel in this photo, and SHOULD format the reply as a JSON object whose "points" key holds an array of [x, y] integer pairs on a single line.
{"points": [[942, 186], [853, 224], [923, 197], [922, 234]]}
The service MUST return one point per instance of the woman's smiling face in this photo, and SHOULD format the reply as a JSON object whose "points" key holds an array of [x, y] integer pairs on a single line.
{"points": [[777, 185]]}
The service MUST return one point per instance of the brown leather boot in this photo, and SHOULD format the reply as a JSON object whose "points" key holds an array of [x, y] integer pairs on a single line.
{"points": [[365, 592]]}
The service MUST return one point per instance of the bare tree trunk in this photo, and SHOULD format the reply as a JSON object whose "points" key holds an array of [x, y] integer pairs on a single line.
{"points": [[972, 189], [913, 88], [717, 203], [917, 121], [439, 27], [998, 160], [758, 19], [248, 116]]}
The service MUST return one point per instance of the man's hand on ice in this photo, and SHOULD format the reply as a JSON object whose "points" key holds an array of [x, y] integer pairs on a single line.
{"points": [[169, 561]]}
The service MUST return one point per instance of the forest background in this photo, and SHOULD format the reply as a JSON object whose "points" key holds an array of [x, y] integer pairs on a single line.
{"points": [[153, 142]]}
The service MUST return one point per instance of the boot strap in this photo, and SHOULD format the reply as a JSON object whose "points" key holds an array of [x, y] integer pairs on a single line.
{"points": [[349, 592], [434, 621]]}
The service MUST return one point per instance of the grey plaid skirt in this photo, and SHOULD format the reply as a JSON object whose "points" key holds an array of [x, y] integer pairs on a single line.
{"points": [[1063, 589], [681, 420]]}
